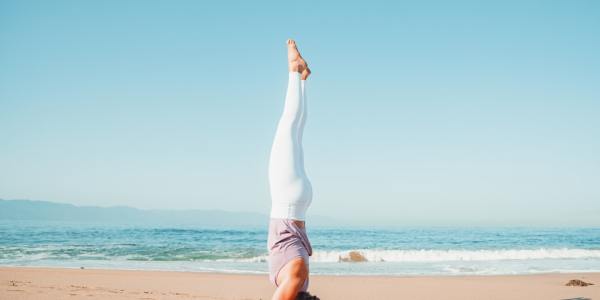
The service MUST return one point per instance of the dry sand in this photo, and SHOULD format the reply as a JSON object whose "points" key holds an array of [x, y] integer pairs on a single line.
{"points": [[58, 283]]}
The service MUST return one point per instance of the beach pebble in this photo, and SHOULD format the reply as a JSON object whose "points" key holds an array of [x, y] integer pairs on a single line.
{"points": [[577, 282]]}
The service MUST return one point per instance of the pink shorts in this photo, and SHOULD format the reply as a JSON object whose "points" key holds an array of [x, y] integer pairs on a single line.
{"points": [[286, 241]]}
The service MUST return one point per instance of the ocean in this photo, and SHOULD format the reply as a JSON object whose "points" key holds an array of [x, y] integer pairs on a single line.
{"points": [[400, 251]]}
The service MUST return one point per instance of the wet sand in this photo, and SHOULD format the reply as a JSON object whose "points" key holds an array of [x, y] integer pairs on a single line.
{"points": [[60, 283]]}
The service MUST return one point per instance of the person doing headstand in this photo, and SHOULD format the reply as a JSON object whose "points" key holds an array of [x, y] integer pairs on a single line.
{"points": [[290, 189]]}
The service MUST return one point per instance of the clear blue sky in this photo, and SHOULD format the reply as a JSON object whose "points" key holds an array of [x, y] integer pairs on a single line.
{"points": [[431, 113]]}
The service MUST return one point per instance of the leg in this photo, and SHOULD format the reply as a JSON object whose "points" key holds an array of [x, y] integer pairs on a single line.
{"points": [[283, 163], [286, 162], [291, 191], [303, 112], [291, 278]]}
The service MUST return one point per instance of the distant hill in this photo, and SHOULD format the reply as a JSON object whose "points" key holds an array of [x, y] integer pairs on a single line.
{"points": [[51, 211]]}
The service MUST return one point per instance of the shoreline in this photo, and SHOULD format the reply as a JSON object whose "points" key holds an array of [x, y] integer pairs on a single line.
{"points": [[75, 283], [256, 273]]}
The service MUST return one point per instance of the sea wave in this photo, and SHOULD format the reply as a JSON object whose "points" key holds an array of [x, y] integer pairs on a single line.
{"points": [[343, 256], [426, 255]]}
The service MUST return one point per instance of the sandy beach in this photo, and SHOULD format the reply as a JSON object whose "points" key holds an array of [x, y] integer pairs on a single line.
{"points": [[59, 283]]}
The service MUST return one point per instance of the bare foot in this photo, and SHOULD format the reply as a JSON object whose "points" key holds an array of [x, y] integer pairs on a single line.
{"points": [[305, 73], [295, 60]]}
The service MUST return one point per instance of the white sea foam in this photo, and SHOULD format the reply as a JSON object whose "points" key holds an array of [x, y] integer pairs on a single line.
{"points": [[256, 259], [371, 255], [426, 255], [456, 255]]}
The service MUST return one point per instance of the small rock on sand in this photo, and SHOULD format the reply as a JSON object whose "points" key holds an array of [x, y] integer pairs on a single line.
{"points": [[577, 282]]}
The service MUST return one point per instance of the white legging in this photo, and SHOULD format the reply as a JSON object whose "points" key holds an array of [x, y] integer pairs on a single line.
{"points": [[291, 191]]}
